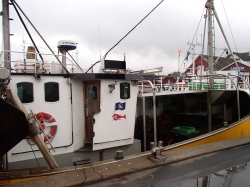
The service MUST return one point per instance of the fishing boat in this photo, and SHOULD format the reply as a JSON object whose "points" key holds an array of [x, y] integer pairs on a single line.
{"points": [[74, 117]]}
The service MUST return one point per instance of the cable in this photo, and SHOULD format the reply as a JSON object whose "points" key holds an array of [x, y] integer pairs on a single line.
{"points": [[92, 66], [132, 29], [85, 177], [229, 26], [40, 35], [33, 153], [193, 37], [125, 35], [74, 61], [21, 19]]}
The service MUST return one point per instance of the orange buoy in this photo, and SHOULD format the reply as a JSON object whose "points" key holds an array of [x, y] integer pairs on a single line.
{"points": [[48, 118]]}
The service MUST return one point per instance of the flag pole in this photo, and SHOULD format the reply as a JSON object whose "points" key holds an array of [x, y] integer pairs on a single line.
{"points": [[179, 53]]}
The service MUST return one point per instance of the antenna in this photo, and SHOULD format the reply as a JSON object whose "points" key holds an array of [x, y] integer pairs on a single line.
{"points": [[192, 46], [99, 41], [23, 49]]}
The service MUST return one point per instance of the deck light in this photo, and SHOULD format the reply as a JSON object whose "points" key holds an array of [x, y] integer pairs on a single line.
{"points": [[111, 87]]}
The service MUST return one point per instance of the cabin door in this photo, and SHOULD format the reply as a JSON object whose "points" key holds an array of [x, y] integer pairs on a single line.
{"points": [[92, 107]]}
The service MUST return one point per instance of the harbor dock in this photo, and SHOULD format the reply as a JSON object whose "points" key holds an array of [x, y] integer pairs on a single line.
{"points": [[94, 173]]}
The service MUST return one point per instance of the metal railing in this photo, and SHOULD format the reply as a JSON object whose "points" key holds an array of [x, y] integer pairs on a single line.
{"points": [[221, 82], [20, 56]]}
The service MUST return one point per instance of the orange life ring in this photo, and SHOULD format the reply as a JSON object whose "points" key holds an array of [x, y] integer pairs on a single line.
{"points": [[48, 118]]}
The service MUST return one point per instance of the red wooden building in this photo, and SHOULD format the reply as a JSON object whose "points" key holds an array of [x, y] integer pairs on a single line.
{"points": [[201, 65], [220, 64]]}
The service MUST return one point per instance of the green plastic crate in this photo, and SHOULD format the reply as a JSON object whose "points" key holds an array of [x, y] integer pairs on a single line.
{"points": [[205, 86], [183, 130]]}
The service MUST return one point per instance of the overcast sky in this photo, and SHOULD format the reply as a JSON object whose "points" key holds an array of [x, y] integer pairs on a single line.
{"points": [[96, 25]]}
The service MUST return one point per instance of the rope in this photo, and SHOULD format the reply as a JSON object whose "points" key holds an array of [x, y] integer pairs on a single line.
{"points": [[34, 154]]}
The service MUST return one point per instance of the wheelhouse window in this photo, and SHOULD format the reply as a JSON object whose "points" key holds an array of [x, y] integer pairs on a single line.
{"points": [[51, 91], [92, 92], [25, 92], [125, 90]]}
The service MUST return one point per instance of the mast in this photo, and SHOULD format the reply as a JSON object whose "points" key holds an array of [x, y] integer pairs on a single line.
{"points": [[209, 5], [6, 33]]}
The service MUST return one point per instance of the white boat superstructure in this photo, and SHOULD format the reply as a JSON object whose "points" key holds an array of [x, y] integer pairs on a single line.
{"points": [[90, 111]]}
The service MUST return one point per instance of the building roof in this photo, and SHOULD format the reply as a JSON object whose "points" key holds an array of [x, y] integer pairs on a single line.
{"points": [[239, 64], [221, 63], [243, 56], [175, 74]]}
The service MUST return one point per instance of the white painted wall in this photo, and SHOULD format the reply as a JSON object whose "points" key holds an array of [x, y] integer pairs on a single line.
{"points": [[110, 132], [60, 110], [78, 113]]}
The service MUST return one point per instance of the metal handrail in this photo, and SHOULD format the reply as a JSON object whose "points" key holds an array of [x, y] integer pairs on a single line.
{"points": [[199, 84], [46, 54], [154, 114]]}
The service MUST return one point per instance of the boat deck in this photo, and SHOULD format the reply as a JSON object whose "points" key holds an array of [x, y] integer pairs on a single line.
{"points": [[95, 173]]}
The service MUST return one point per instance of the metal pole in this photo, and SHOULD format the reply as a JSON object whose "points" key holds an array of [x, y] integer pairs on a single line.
{"points": [[238, 102], [6, 34], [161, 84], [225, 112], [209, 6], [63, 60], [224, 35], [154, 109], [154, 113], [27, 31], [45, 151], [179, 63], [193, 59], [144, 123], [209, 109], [6, 55], [41, 36], [203, 41]]}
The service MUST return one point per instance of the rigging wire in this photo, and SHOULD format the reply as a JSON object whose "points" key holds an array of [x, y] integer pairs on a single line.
{"points": [[92, 66], [13, 1], [99, 41], [21, 19], [193, 37], [229, 25], [125, 35], [74, 61], [133, 29], [33, 153]]}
